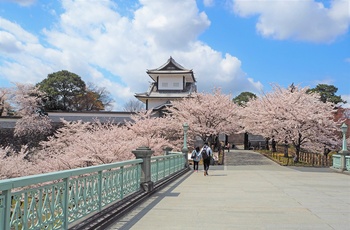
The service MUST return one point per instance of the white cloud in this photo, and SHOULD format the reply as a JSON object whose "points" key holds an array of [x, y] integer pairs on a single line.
{"points": [[304, 20], [114, 51], [8, 42], [21, 34], [347, 99], [347, 60], [21, 2], [212, 70], [208, 3]]}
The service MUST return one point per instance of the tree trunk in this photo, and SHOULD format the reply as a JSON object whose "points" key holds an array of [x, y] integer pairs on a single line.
{"points": [[297, 152], [246, 144], [267, 143], [297, 148], [286, 149]]}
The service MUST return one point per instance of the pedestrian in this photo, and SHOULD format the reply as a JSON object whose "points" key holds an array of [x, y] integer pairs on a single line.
{"points": [[273, 144], [206, 153], [196, 157]]}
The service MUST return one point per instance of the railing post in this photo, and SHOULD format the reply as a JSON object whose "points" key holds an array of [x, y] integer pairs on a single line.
{"points": [[99, 189], [344, 152], [185, 149], [145, 154], [157, 166], [167, 150], [6, 217], [164, 161], [66, 203], [121, 182]]}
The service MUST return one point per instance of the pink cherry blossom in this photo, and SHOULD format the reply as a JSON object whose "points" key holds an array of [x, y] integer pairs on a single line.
{"points": [[292, 115]]}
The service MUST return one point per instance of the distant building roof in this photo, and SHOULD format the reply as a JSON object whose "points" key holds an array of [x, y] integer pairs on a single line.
{"points": [[173, 68], [103, 117], [156, 94]]}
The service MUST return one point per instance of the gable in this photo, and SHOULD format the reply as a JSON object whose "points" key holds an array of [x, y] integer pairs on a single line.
{"points": [[172, 66]]}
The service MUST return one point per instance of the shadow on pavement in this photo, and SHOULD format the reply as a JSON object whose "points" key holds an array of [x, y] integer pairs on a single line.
{"points": [[145, 207]]}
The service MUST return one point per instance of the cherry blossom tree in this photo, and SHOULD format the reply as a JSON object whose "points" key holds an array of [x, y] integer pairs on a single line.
{"points": [[27, 99], [15, 164], [5, 106], [206, 114], [33, 125], [156, 132], [293, 115], [79, 144], [286, 114]]}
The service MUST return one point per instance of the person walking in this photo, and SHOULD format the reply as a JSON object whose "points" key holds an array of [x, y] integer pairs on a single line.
{"points": [[196, 157], [206, 153]]}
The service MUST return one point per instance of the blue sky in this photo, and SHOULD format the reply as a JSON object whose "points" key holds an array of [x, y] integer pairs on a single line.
{"points": [[234, 45]]}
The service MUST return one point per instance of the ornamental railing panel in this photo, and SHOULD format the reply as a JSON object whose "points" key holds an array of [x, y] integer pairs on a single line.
{"points": [[336, 161], [55, 200], [163, 166], [347, 163]]}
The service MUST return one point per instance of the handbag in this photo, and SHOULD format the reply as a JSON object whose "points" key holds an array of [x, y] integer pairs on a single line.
{"points": [[193, 155], [212, 161]]}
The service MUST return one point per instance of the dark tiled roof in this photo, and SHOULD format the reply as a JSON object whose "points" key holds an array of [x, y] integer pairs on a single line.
{"points": [[114, 117], [170, 65]]}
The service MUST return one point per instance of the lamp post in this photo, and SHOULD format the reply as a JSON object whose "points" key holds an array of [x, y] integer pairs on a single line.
{"points": [[344, 150], [339, 160], [185, 149]]}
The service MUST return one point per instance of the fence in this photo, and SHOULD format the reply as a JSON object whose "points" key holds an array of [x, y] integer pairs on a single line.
{"points": [[314, 159], [55, 200]]}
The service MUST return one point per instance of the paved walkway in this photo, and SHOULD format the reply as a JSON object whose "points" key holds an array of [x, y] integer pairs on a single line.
{"points": [[250, 192]]}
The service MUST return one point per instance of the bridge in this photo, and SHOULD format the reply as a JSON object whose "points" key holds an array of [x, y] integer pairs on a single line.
{"points": [[248, 192], [85, 197]]}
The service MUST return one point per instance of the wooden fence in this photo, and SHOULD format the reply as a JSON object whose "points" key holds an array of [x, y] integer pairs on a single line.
{"points": [[314, 159]]}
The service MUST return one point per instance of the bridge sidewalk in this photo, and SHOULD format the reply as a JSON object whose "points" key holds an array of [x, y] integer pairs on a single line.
{"points": [[252, 193]]}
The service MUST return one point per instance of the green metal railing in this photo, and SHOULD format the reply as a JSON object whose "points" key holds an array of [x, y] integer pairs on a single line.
{"points": [[163, 166], [347, 162], [336, 161], [55, 200], [341, 162]]}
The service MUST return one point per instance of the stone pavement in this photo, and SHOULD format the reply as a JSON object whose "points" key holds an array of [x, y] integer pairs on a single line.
{"points": [[249, 192]]}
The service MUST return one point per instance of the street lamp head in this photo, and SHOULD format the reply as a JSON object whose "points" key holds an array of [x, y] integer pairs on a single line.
{"points": [[344, 128], [185, 126]]}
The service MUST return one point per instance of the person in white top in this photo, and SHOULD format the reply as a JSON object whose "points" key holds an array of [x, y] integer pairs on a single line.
{"points": [[196, 157]]}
